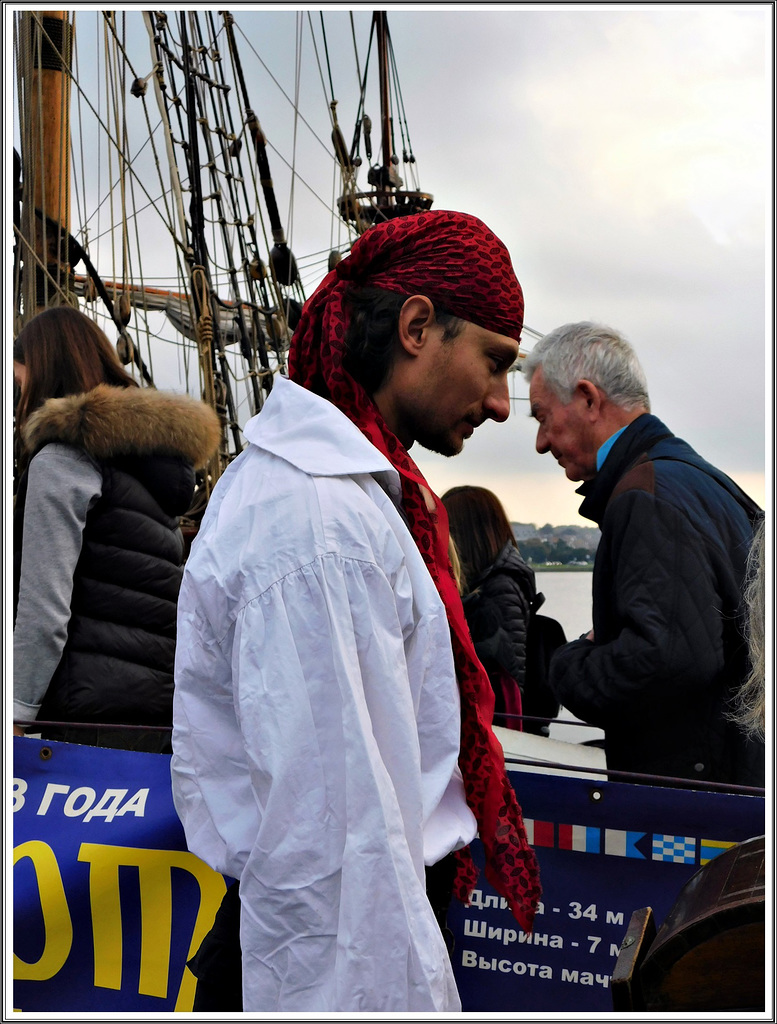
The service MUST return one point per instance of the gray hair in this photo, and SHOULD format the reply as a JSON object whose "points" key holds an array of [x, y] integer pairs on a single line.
{"points": [[749, 711], [587, 351]]}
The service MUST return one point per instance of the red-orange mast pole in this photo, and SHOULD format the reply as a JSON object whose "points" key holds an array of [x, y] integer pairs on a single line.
{"points": [[47, 174]]}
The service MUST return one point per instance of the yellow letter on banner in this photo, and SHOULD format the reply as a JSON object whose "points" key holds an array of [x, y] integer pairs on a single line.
{"points": [[154, 868], [56, 914]]}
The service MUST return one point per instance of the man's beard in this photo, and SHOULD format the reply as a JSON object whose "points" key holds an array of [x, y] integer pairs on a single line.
{"points": [[435, 439]]}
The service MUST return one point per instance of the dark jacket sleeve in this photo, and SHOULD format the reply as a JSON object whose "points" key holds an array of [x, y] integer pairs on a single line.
{"points": [[657, 628], [497, 614]]}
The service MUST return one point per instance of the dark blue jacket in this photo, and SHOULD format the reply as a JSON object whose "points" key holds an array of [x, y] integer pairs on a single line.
{"points": [[668, 613]]}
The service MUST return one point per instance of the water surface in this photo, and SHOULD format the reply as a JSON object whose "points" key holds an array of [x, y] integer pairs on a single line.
{"points": [[568, 599]]}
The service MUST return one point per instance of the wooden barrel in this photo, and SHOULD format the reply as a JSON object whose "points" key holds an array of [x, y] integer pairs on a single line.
{"points": [[709, 952]]}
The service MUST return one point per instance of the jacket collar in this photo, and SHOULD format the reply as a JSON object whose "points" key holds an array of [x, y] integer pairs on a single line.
{"points": [[509, 560], [110, 422], [314, 435], [638, 437], [508, 557]]}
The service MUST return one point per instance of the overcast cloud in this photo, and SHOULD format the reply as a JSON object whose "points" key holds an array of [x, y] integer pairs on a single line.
{"points": [[623, 156]]}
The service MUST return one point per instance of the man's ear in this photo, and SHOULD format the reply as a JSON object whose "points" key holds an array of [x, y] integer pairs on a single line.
{"points": [[591, 395], [415, 318]]}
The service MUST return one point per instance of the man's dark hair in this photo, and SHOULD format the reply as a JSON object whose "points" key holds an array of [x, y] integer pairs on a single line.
{"points": [[372, 333]]}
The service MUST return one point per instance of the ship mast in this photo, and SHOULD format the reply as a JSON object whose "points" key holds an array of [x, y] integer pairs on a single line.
{"points": [[46, 44], [388, 197], [385, 180]]}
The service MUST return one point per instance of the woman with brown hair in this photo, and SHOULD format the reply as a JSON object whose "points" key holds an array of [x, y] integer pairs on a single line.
{"points": [[498, 592], [107, 469]]}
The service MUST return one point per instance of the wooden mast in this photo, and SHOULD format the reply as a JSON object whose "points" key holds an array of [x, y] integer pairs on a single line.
{"points": [[46, 159], [384, 185], [388, 197]]}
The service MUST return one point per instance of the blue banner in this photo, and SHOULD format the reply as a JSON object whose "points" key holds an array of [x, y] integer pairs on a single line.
{"points": [[605, 849], [109, 905]]}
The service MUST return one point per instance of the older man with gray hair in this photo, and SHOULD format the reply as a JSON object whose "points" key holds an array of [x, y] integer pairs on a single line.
{"points": [[666, 657]]}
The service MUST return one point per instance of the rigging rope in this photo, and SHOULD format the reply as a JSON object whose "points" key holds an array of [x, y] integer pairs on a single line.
{"points": [[204, 333], [256, 272], [326, 53], [360, 117], [248, 351], [355, 49], [281, 259], [224, 215], [343, 167], [252, 279], [404, 129], [82, 177], [105, 129], [205, 337], [297, 74], [283, 92], [160, 95]]}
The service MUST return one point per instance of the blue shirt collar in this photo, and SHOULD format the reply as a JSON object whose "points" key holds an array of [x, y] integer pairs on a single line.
{"points": [[604, 451]]}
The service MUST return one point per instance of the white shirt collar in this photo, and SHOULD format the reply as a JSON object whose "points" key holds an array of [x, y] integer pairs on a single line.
{"points": [[314, 435]]}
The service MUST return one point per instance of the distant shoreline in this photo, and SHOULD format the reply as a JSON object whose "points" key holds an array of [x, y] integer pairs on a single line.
{"points": [[560, 568]]}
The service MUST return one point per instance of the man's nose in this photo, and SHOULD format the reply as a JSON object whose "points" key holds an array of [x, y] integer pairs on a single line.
{"points": [[497, 404], [541, 443]]}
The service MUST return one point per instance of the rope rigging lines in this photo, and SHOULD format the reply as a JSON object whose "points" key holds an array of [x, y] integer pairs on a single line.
{"points": [[172, 184]]}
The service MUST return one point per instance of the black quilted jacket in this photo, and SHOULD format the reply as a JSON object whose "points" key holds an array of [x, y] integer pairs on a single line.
{"points": [[497, 610], [668, 614], [117, 663]]}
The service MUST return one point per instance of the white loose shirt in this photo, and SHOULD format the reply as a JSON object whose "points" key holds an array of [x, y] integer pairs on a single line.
{"points": [[317, 720]]}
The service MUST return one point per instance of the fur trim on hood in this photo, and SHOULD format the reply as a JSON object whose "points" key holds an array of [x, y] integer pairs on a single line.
{"points": [[107, 422]]}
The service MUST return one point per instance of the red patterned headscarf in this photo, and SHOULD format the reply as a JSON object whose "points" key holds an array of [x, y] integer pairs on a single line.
{"points": [[456, 261]]}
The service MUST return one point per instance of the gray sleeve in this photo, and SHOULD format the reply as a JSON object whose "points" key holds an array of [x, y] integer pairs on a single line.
{"points": [[63, 485]]}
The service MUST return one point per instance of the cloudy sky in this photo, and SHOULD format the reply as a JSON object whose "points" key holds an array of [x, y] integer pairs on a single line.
{"points": [[623, 157], [623, 154]]}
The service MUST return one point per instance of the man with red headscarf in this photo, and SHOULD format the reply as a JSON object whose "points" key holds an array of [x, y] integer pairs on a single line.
{"points": [[332, 745]]}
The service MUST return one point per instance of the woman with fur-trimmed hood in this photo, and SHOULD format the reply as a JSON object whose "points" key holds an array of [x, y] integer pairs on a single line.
{"points": [[98, 551]]}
